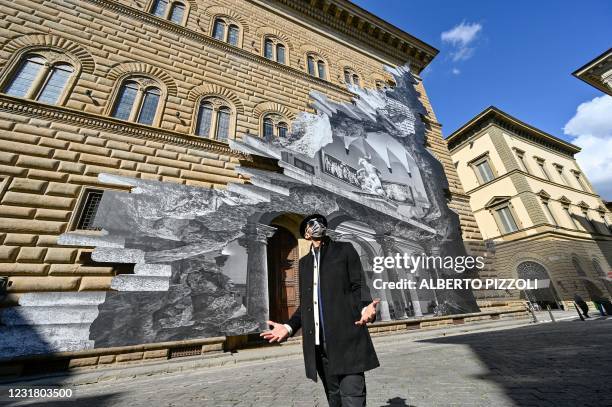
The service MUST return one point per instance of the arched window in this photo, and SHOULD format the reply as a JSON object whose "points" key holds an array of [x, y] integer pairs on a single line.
{"points": [[274, 125], [214, 119], [138, 100], [23, 81], [275, 50], [159, 8], [176, 12], [56, 83], [280, 54], [204, 119], [219, 29], [223, 123], [316, 66], [227, 31], [41, 79], [268, 128], [282, 129], [150, 101], [125, 101], [232, 35], [311, 66], [169, 10], [269, 49], [347, 76], [351, 77], [321, 69]]}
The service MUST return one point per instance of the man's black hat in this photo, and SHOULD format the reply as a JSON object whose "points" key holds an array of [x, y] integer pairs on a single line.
{"points": [[310, 217]]}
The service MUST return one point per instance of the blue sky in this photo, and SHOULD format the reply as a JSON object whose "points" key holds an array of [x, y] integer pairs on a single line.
{"points": [[517, 55]]}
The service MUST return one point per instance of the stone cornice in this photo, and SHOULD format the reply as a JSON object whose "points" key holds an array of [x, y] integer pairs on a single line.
{"points": [[211, 42], [592, 71], [370, 30], [493, 116], [527, 175], [78, 118], [459, 195], [553, 231]]}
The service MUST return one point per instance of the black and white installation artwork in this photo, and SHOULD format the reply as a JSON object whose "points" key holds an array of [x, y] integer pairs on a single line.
{"points": [[199, 255]]}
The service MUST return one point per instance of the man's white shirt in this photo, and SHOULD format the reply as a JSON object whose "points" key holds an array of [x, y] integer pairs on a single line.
{"points": [[316, 254]]}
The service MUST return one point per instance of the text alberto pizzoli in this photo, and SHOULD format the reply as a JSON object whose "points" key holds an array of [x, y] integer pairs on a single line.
{"points": [[459, 264]]}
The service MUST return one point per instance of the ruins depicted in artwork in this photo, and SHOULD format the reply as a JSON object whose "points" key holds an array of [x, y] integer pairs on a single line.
{"points": [[197, 258]]}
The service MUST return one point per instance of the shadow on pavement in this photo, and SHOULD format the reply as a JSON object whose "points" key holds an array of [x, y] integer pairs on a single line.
{"points": [[558, 364], [397, 402], [87, 401]]}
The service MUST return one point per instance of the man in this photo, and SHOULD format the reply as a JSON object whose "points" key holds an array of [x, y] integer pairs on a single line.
{"points": [[335, 306]]}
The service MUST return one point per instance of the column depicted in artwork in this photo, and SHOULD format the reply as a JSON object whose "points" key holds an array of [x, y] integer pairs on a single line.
{"points": [[256, 241], [410, 296], [360, 245], [387, 244], [434, 273]]}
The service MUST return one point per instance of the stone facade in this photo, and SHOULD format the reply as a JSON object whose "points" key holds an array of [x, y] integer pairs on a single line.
{"points": [[52, 154], [558, 224]]}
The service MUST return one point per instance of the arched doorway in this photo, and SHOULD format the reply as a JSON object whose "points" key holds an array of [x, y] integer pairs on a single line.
{"points": [[283, 256], [595, 293], [600, 273], [544, 296]]}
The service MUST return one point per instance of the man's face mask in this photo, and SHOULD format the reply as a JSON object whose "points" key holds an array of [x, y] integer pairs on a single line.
{"points": [[315, 229]]}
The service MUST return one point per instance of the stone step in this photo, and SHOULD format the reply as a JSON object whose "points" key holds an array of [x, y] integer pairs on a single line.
{"points": [[251, 191], [114, 255], [23, 343], [256, 145], [263, 174], [133, 282], [42, 299], [88, 239], [297, 174], [48, 315], [268, 185], [160, 270], [244, 148], [76, 331], [118, 180]]}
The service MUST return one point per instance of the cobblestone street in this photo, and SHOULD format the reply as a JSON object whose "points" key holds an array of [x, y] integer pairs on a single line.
{"points": [[562, 364]]}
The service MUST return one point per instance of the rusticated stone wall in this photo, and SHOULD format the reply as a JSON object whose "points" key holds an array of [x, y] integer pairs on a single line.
{"points": [[49, 154]]}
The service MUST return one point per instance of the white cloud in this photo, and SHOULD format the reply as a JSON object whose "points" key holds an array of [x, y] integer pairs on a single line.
{"points": [[460, 37], [592, 128], [462, 34], [456, 71]]}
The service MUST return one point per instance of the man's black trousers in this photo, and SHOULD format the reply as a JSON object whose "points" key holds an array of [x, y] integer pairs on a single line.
{"points": [[341, 390]]}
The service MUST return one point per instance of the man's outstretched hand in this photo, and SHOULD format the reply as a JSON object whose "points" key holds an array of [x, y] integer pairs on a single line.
{"points": [[368, 314], [278, 333]]}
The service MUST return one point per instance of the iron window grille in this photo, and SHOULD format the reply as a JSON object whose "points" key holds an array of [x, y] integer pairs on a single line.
{"points": [[89, 210]]}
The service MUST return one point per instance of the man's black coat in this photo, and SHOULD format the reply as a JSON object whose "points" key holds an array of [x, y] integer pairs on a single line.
{"points": [[344, 294]]}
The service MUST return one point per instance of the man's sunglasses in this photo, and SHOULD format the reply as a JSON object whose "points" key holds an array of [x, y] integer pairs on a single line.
{"points": [[314, 221]]}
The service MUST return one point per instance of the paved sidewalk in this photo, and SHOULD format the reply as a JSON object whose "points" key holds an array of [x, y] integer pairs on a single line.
{"points": [[501, 363], [290, 349]]}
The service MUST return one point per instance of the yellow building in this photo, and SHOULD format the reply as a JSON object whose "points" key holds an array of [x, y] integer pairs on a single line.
{"points": [[535, 207]]}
